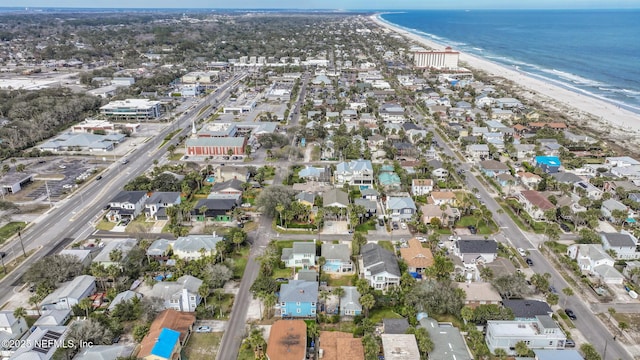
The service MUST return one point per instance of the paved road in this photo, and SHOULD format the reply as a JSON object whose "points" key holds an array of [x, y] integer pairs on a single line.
{"points": [[589, 325], [73, 217], [236, 327]]}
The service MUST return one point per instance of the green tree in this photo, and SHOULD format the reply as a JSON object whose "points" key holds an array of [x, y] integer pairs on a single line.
{"points": [[339, 293], [567, 292], [368, 302], [589, 352], [501, 353], [20, 313], [371, 346], [204, 290], [425, 344], [441, 269], [522, 349], [86, 305]]}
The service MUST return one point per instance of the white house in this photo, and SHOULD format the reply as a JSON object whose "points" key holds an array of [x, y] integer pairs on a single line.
{"points": [[120, 246], [379, 267], [70, 293], [592, 192], [624, 244], [355, 172], [478, 151], [11, 328], [126, 205], [180, 295], [191, 247], [337, 258], [159, 201], [421, 187], [401, 208], [609, 206], [476, 251], [541, 333], [593, 259], [302, 254]]}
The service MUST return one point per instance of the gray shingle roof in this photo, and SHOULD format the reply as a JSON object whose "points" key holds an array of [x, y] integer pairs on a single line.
{"points": [[351, 298], [477, 246], [378, 260], [335, 196], [128, 197], [299, 291], [527, 309], [395, 326], [163, 197], [618, 239], [336, 251]]}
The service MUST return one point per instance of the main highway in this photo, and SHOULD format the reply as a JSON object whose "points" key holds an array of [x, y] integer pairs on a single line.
{"points": [[593, 330], [73, 217]]}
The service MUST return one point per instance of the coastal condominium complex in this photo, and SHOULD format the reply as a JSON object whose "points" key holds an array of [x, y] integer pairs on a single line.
{"points": [[132, 109], [447, 59]]}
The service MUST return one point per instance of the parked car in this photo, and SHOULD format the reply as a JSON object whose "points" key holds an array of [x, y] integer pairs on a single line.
{"points": [[403, 226], [553, 290], [380, 222], [472, 229], [395, 226], [106, 207], [569, 343], [203, 329], [522, 252], [281, 280], [565, 228], [570, 314], [529, 262]]}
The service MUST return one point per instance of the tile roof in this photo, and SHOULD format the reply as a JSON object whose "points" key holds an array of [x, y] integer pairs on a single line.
{"points": [[179, 321], [287, 340], [417, 256], [537, 199], [337, 345]]}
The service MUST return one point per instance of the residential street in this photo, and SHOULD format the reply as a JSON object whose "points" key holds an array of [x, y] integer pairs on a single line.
{"points": [[589, 325]]}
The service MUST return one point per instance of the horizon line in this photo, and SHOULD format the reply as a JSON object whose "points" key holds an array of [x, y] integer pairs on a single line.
{"points": [[318, 9]]}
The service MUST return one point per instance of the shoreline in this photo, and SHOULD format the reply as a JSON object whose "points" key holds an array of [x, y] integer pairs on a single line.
{"points": [[590, 112]]}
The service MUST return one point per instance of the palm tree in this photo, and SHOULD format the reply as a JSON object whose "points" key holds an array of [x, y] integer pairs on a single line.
{"points": [[368, 302], [204, 290], [280, 209], [339, 292], [85, 304], [34, 301], [321, 262], [269, 300], [238, 239], [500, 353], [19, 313], [567, 292]]}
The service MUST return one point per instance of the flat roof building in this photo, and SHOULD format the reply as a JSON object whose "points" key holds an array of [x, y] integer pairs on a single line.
{"points": [[447, 59], [132, 109]]}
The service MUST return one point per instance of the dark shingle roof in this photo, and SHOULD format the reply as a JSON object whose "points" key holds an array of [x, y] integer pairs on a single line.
{"points": [[527, 308], [233, 183], [619, 239], [379, 259], [395, 326], [128, 196], [477, 246]]}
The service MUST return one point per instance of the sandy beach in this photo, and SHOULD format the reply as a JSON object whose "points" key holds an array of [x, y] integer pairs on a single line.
{"points": [[587, 111]]}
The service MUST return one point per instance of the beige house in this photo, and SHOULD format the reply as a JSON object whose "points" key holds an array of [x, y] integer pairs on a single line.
{"points": [[447, 216], [479, 293], [443, 197]]}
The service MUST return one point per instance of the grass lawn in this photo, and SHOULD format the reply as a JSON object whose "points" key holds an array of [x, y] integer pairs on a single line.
{"points": [[378, 314], [566, 319], [105, 225], [245, 354], [176, 156], [250, 226], [483, 229], [344, 280], [449, 319], [632, 319], [202, 346], [387, 245], [364, 227], [11, 229], [140, 224], [282, 273], [557, 247], [240, 259]]}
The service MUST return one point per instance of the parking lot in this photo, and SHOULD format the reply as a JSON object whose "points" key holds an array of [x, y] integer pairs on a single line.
{"points": [[59, 175]]}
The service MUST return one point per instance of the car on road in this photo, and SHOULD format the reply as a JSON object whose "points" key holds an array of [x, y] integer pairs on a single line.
{"points": [[472, 229], [62, 166], [522, 252], [553, 290], [125, 161], [99, 177], [529, 262], [203, 329], [570, 314]]}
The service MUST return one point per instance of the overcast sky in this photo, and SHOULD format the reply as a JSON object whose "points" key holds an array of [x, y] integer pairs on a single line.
{"points": [[331, 4]]}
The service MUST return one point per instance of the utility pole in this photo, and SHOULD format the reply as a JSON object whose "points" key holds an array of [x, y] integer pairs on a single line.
{"points": [[2, 256], [22, 244], [46, 184]]}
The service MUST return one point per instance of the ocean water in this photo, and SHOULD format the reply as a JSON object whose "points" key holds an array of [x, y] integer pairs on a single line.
{"points": [[596, 52]]}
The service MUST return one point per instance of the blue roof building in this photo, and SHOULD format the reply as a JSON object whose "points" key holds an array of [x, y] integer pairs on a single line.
{"points": [[167, 344], [549, 164]]}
